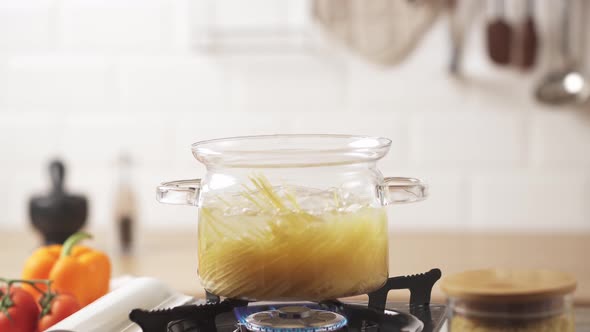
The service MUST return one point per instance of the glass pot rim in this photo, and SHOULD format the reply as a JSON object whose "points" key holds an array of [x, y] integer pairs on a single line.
{"points": [[290, 150]]}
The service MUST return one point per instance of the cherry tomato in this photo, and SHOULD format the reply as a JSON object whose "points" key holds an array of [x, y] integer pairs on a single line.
{"points": [[59, 307], [18, 311]]}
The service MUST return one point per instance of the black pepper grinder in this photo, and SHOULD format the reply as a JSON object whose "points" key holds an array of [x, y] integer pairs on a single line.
{"points": [[58, 214], [125, 207]]}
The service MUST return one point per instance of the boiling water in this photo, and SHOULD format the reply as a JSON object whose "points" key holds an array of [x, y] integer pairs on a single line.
{"points": [[267, 243]]}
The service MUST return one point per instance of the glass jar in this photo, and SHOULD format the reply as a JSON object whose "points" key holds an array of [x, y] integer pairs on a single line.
{"points": [[504, 300], [292, 217]]}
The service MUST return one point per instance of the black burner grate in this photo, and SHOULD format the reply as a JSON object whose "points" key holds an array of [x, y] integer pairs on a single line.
{"points": [[219, 316]]}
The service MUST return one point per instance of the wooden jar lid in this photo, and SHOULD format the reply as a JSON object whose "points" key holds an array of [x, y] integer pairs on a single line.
{"points": [[509, 285]]}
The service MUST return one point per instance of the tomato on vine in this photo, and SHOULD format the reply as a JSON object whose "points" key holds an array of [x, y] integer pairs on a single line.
{"points": [[55, 307], [18, 310]]}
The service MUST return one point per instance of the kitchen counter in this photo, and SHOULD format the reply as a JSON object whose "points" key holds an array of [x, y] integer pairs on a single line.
{"points": [[171, 256]]}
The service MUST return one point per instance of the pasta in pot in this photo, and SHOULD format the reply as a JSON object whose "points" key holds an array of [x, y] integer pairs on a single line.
{"points": [[280, 251]]}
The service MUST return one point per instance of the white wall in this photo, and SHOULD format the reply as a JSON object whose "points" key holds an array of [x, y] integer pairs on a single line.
{"points": [[84, 80]]}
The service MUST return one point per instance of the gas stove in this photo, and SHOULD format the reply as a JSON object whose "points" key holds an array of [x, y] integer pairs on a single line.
{"points": [[374, 315], [165, 310]]}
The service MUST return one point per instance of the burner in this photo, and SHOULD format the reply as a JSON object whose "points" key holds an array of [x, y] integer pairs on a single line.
{"points": [[376, 315], [296, 319]]}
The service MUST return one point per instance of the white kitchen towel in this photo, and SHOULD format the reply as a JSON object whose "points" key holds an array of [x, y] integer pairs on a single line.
{"points": [[381, 31], [110, 313]]}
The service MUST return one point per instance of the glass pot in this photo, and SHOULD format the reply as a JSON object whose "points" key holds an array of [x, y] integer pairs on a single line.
{"points": [[292, 217]]}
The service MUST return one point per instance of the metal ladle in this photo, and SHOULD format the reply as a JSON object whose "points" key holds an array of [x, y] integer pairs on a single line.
{"points": [[566, 85]]}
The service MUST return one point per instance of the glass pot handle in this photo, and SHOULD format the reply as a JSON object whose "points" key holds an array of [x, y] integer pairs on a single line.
{"points": [[404, 190], [184, 192]]}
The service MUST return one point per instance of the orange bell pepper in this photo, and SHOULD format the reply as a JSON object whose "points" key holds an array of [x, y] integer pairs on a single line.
{"points": [[74, 269]]}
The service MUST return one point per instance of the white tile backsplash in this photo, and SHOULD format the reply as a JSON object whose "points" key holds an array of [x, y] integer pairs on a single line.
{"points": [[287, 83], [236, 14], [99, 138], [531, 200], [98, 183], [56, 82], [18, 184], [173, 84], [298, 13], [27, 138], [561, 139], [86, 80], [27, 25], [447, 205], [467, 139], [115, 26]]}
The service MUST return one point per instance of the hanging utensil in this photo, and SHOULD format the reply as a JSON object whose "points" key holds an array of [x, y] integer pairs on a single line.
{"points": [[499, 36], [566, 84], [584, 98], [529, 44], [461, 17], [456, 35]]}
